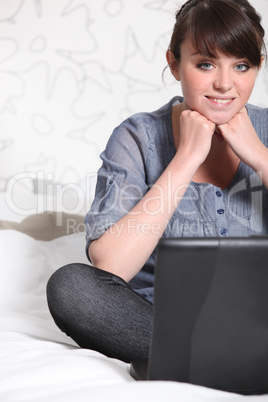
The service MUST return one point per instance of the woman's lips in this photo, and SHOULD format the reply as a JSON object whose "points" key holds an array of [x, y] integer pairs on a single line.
{"points": [[220, 102]]}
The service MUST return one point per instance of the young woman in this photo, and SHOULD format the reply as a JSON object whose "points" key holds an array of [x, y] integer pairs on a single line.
{"points": [[196, 167]]}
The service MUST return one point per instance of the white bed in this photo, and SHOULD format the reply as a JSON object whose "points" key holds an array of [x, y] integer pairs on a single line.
{"points": [[38, 362]]}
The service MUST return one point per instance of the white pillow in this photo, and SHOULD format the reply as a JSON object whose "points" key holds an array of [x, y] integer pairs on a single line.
{"points": [[26, 265]]}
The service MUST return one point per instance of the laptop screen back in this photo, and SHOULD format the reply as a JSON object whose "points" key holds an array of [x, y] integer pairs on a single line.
{"points": [[211, 313]]}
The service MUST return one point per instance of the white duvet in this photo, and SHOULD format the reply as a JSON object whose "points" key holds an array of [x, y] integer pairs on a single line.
{"points": [[38, 362]]}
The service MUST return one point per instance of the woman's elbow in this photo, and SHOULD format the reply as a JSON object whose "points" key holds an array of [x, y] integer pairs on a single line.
{"points": [[94, 254], [101, 259]]}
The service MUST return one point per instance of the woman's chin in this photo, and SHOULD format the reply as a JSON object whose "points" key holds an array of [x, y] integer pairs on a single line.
{"points": [[219, 120], [216, 117]]}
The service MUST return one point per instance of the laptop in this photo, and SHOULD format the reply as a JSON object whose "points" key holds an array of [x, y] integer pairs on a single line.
{"points": [[210, 323]]}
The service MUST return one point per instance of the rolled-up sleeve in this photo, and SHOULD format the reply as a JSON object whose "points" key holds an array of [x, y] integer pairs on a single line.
{"points": [[121, 181]]}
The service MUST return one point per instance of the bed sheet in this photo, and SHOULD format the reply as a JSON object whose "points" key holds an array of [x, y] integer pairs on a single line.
{"points": [[37, 361]]}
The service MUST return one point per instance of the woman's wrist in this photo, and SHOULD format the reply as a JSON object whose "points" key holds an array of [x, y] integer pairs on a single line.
{"points": [[260, 166], [259, 161], [188, 162]]}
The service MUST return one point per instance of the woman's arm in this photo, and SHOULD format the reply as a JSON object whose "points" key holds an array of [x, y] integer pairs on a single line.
{"points": [[241, 136], [124, 249]]}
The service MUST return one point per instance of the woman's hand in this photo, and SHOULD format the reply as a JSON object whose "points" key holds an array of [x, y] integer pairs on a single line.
{"points": [[195, 137], [241, 136]]}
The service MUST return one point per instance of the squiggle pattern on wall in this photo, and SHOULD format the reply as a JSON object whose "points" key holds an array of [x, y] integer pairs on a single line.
{"points": [[71, 70]]}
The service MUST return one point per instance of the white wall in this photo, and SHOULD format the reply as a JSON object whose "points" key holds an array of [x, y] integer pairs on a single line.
{"points": [[70, 70]]}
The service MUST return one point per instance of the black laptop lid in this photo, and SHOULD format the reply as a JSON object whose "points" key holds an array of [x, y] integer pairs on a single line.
{"points": [[211, 313], [184, 271]]}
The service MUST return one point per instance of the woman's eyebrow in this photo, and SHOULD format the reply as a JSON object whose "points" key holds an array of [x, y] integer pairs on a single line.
{"points": [[198, 53], [203, 55]]}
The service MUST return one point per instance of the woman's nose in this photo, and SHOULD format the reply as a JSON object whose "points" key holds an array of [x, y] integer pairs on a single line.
{"points": [[223, 81]]}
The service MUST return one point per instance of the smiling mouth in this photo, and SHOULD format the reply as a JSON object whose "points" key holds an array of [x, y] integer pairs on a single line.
{"points": [[220, 100]]}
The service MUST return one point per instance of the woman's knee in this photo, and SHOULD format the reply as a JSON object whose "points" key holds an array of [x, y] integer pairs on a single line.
{"points": [[100, 311], [64, 286], [60, 280], [77, 282]]}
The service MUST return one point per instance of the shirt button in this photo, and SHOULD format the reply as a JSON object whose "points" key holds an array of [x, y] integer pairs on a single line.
{"points": [[224, 231], [218, 193], [220, 211]]}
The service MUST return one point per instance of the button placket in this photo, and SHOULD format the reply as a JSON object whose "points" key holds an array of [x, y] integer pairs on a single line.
{"points": [[221, 219]]}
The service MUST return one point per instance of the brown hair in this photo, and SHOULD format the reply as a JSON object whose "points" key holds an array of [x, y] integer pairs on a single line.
{"points": [[230, 26]]}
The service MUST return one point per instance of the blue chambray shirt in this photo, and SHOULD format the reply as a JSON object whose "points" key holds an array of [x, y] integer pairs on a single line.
{"points": [[136, 155]]}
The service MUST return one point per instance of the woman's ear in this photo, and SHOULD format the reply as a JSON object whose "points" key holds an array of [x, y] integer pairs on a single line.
{"points": [[173, 64], [262, 58]]}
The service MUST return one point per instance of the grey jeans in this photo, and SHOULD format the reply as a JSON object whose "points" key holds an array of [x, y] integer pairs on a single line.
{"points": [[100, 311]]}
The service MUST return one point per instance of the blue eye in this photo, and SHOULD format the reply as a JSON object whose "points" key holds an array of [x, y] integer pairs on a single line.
{"points": [[205, 66], [242, 67]]}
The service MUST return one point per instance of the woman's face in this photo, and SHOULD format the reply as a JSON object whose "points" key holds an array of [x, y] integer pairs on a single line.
{"points": [[216, 88]]}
